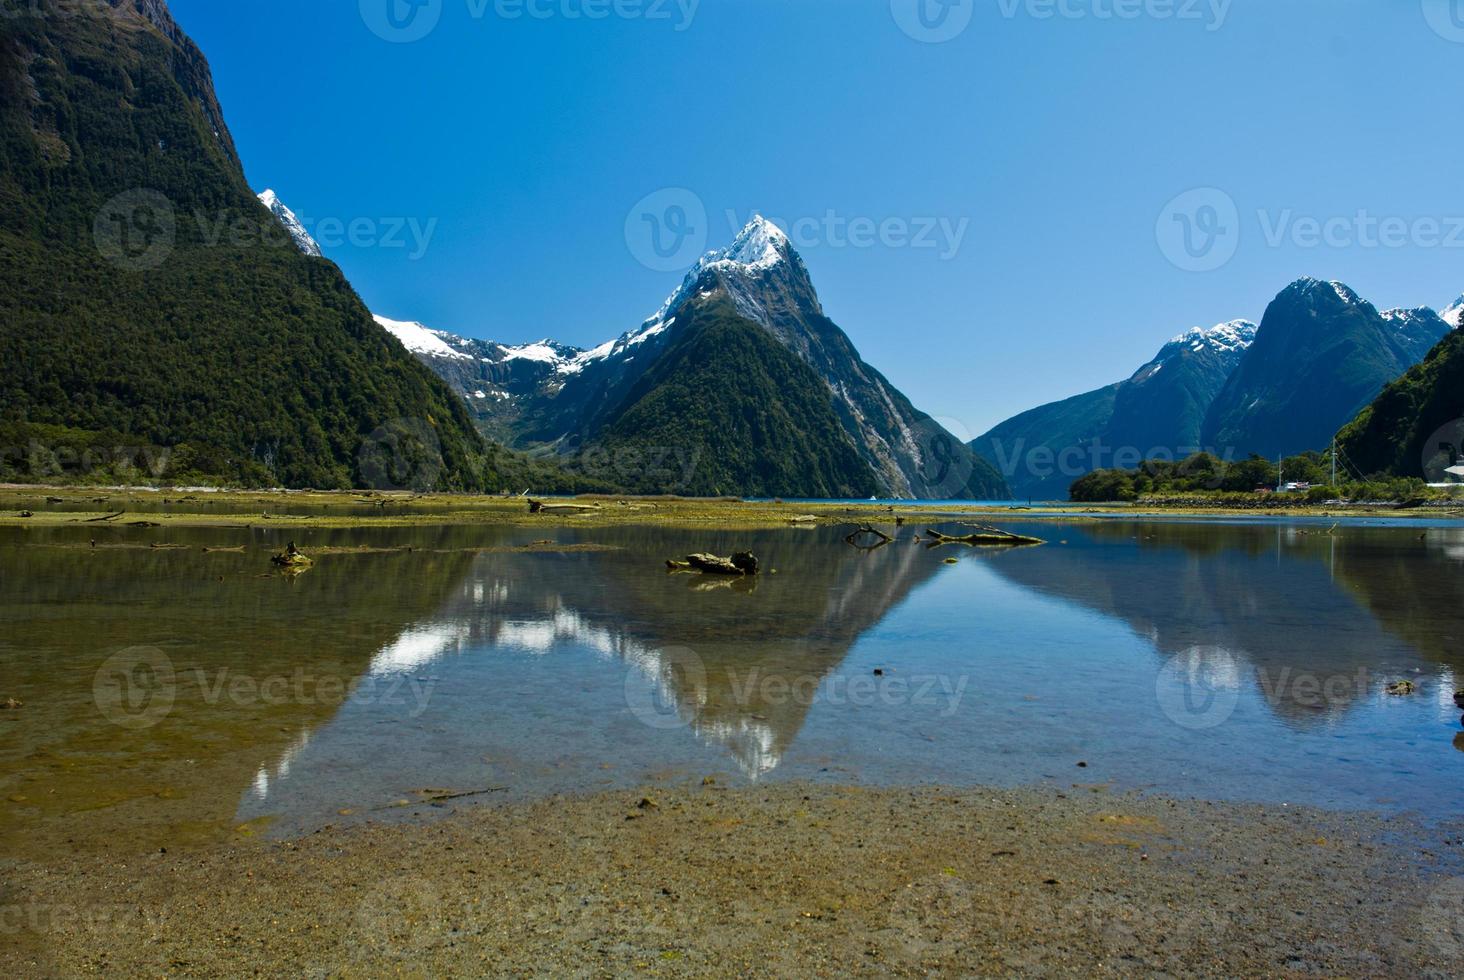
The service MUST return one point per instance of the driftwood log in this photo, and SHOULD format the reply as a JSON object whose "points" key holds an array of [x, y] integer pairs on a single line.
{"points": [[540, 507], [742, 563], [984, 535]]}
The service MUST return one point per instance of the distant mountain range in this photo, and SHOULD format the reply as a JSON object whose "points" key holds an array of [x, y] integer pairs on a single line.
{"points": [[1318, 358], [254, 362], [1159, 409], [636, 394]]}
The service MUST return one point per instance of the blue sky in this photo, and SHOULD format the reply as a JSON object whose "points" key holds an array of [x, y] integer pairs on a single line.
{"points": [[1011, 191]]}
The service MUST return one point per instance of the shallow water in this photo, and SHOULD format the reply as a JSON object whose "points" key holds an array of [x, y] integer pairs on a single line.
{"points": [[174, 695]]}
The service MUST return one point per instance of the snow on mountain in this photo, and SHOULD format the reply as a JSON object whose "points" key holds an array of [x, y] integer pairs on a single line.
{"points": [[1236, 335], [1454, 315], [760, 245], [543, 351], [419, 339], [1345, 293], [1404, 319], [291, 223]]}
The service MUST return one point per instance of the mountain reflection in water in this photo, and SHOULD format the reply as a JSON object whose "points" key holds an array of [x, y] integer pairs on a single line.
{"points": [[1310, 616], [618, 670], [757, 649], [452, 659]]}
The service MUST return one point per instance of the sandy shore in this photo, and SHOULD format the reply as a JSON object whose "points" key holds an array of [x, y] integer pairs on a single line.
{"points": [[792, 880]]}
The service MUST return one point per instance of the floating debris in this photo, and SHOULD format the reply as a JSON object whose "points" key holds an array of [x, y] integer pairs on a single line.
{"points": [[742, 563], [291, 557], [984, 535], [1401, 687]]}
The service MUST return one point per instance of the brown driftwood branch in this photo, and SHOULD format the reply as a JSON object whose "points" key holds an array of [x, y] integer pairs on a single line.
{"points": [[864, 530]]}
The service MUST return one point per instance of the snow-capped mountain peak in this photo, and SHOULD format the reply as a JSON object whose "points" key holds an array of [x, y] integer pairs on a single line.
{"points": [[761, 250], [1345, 293], [290, 222], [1310, 287], [1235, 335], [760, 243]]}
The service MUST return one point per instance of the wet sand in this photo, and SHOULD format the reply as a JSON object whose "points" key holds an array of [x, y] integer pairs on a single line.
{"points": [[788, 880]]}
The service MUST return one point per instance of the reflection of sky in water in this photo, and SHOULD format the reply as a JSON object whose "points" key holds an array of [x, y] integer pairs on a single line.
{"points": [[1047, 657]]}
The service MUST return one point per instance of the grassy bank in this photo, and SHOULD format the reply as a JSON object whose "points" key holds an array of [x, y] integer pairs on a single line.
{"points": [[52, 506]]}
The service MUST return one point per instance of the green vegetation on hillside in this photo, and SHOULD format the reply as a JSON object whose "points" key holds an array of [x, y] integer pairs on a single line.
{"points": [[1414, 428], [148, 301], [726, 408]]}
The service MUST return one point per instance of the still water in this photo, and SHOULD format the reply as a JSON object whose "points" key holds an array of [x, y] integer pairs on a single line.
{"points": [[178, 690]]}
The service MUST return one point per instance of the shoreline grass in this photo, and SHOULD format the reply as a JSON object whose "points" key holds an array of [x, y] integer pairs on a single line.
{"points": [[53, 506]]}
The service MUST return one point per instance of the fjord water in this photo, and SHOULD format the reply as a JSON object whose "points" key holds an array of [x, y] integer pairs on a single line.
{"points": [[177, 693]]}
